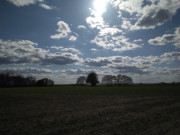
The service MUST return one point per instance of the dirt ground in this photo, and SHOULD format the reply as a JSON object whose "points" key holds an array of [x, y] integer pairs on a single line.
{"points": [[52, 114]]}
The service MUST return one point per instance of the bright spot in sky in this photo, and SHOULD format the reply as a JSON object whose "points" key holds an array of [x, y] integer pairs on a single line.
{"points": [[100, 6]]}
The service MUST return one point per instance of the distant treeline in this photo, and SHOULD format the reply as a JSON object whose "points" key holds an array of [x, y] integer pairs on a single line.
{"points": [[16, 80], [109, 80]]}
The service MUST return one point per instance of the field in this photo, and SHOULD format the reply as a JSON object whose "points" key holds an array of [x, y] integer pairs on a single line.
{"points": [[85, 110]]}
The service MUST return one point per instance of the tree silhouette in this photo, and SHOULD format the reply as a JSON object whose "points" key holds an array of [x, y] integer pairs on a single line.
{"points": [[45, 82], [81, 80], [109, 80], [92, 79], [123, 79], [17, 80], [119, 79]]}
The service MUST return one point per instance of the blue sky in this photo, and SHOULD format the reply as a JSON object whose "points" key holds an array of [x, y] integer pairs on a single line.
{"points": [[65, 39]]}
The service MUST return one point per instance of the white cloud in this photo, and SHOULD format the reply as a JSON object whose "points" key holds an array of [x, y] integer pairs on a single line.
{"points": [[22, 2], [60, 59], [167, 38], [63, 29], [115, 43], [62, 49], [155, 13], [81, 27], [94, 49], [25, 70], [124, 64], [45, 6], [126, 24], [130, 6], [73, 50], [73, 38], [56, 47], [170, 57], [97, 62], [138, 40], [95, 22], [25, 51], [40, 0], [110, 31], [140, 68]]}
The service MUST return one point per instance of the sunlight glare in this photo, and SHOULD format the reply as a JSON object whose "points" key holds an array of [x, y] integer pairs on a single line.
{"points": [[100, 6]]}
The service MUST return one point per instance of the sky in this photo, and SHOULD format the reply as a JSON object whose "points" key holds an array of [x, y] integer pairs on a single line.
{"points": [[65, 39]]}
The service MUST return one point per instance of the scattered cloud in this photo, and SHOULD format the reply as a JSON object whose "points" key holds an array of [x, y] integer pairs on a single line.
{"points": [[73, 38], [98, 62], [148, 16], [138, 40], [94, 49], [45, 6], [109, 31], [81, 72], [74, 72], [167, 38], [115, 43], [25, 51], [60, 59], [95, 22], [20, 3], [25, 70], [170, 56], [126, 24], [136, 65], [63, 30], [81, 27], [154, 17], [62, 49]]}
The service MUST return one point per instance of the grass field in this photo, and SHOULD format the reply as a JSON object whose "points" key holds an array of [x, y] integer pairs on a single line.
{"points": [[85, 110]]}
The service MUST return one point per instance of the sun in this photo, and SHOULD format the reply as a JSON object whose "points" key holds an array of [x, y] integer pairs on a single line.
{"points": [[100, 6]]}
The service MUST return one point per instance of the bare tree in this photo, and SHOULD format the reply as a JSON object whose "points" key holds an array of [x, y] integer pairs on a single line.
{"points": [[123, 79], [114, 80], [109, 80], [81, 80], [45, 82]]}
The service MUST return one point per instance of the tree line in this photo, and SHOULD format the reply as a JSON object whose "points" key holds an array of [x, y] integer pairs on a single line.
{"points": [[92, 79], [117, 80], [17, 80]]}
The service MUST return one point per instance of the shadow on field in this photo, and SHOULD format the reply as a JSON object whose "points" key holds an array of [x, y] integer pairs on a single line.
{"points": [[73, 110]]}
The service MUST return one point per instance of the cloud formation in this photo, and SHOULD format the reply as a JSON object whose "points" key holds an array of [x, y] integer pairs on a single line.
{"points": [[98, 62], [45, 6], [25, 51], [115, 43], [154, 13], [60, 59], [63, 30], [95, 22], [73, 38], [26, 70], [136, 65], [21, 3], [81, 27], [62, 49], [167, 38]]}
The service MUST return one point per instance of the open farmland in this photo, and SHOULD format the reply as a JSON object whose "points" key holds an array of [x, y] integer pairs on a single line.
{"points": [[74, 110]]}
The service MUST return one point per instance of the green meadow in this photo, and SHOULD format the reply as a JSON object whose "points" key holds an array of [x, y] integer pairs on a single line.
{"points": [[86, 110]]}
